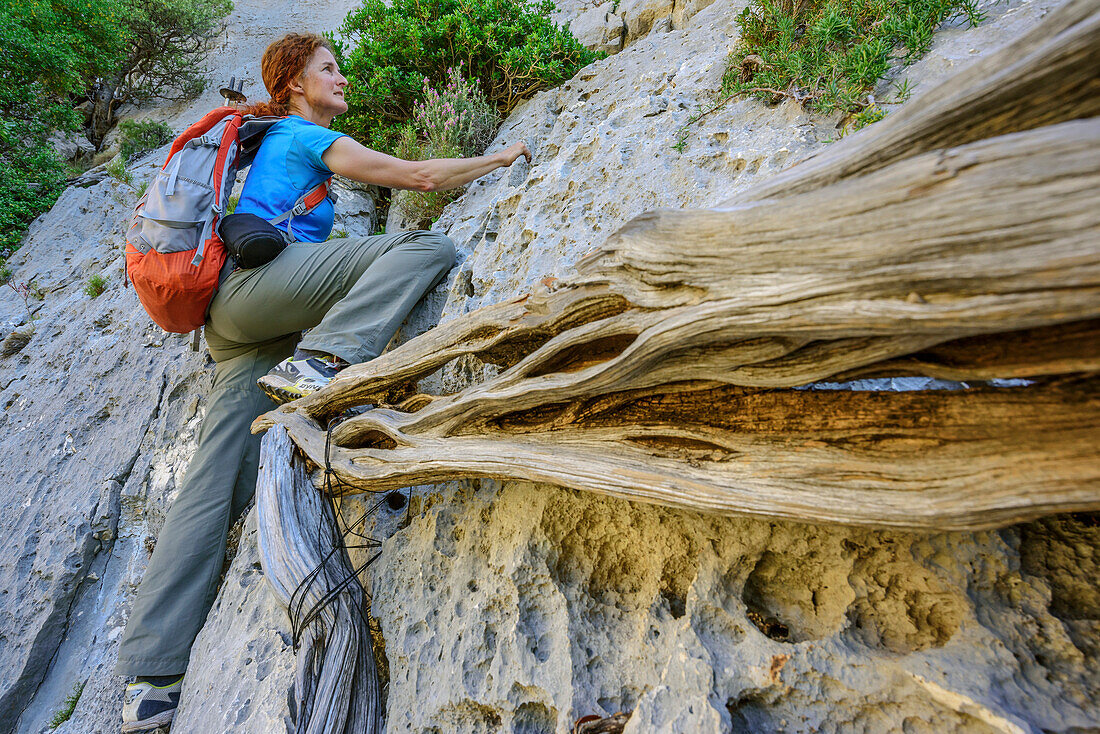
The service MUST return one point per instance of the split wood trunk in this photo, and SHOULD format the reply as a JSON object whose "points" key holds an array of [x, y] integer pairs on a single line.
{"points": [[959, 238], [336, 689]]}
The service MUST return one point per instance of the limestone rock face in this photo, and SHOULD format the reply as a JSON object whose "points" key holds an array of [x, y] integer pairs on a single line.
{"points": [[517, 607], [641, 15], [241, 687], [72, 146], [600, 29], [100, 409], [545, 605]]}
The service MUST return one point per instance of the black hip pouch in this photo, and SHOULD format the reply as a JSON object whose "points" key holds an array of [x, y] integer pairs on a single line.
{"points": [[251, 240]]}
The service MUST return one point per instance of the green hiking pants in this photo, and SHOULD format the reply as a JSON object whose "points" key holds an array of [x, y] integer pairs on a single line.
{"points": [[353, 294]]}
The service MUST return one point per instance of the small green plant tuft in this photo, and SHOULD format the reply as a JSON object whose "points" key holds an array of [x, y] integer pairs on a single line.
{"points": [[864, 117], [5, 274], [829, 54], [232, 205], [136, 138], [68, 707], [338, 234], [116, 169], [95, 286]]}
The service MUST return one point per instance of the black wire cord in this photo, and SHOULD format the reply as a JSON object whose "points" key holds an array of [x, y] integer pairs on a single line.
{"points": [[337, 562]]}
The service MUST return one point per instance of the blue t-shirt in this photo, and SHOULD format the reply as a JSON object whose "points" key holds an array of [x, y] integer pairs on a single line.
{"points": [[287, 166]]}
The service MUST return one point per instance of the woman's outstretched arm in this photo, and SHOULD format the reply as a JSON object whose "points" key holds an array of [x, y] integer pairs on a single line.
{"points": [[348, 158]]}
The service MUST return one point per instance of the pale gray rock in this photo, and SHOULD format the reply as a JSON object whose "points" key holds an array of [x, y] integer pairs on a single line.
{"points": [[600, 29], [603, 146], [356, 211], [96, 424], [685, 10], [71, 146], [566, 12], [398, 216], [516, 607], [641, 15]]}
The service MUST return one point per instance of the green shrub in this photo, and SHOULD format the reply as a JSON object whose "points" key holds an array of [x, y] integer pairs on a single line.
{"points": [[829, 54], [50, 48], [31, 179], [458, 118], [511, 47], [136, 138], [56, 53], [95, 286]]}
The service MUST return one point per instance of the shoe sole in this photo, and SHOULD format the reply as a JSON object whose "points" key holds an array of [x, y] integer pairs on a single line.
{"points": [[156, 723], [278, 393]]}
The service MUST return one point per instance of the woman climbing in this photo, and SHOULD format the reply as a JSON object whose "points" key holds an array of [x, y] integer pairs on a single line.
{"points": [[351, 293]]}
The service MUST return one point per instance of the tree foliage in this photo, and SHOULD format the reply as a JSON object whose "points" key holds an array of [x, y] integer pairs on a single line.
{"points": [[50, 49], [387, 50], [55, 54], [163, 56]]}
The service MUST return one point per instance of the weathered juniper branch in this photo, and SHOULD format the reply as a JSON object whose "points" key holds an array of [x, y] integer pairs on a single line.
{"points": [[872, 269], [680, 306], [336, 689], [928, 460], [658, 371]]}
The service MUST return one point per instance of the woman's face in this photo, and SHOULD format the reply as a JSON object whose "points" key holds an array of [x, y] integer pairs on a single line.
{"points": [[322, 85]]}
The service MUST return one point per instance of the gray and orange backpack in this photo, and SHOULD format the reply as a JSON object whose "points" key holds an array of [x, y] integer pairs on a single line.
{"points": [[174, 254]]}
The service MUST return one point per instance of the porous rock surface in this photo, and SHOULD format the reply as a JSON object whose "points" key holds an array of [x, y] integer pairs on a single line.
{"points": [[510, 606], [518, 607]]}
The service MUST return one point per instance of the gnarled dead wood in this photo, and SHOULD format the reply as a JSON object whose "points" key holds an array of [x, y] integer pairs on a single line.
{"points": [[685, 305], [660, 370], [336, 688], [753, 296], [930, 460]]}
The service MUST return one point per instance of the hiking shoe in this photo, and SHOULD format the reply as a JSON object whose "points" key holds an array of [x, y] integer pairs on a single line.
{"points": [[148, 706], [298, 376]]}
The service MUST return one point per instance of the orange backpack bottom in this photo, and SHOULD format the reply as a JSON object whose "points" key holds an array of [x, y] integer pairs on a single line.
{"points": [[175, 293]]}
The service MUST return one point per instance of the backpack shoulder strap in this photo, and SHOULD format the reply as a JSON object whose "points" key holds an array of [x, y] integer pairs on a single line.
{"points": [[306, 203], [200, 128]]}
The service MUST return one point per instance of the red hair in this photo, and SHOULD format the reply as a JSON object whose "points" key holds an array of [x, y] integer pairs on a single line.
{"points": [[282, 64]]}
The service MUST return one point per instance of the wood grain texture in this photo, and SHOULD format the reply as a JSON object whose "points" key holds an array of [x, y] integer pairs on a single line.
{"points": [[958, 239], [753, 296], [336, 689], [935, 460]]}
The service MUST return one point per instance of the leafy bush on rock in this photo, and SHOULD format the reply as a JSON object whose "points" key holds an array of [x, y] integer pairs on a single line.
{"points": [[829, 54], [136, 138], [510, 47]]}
